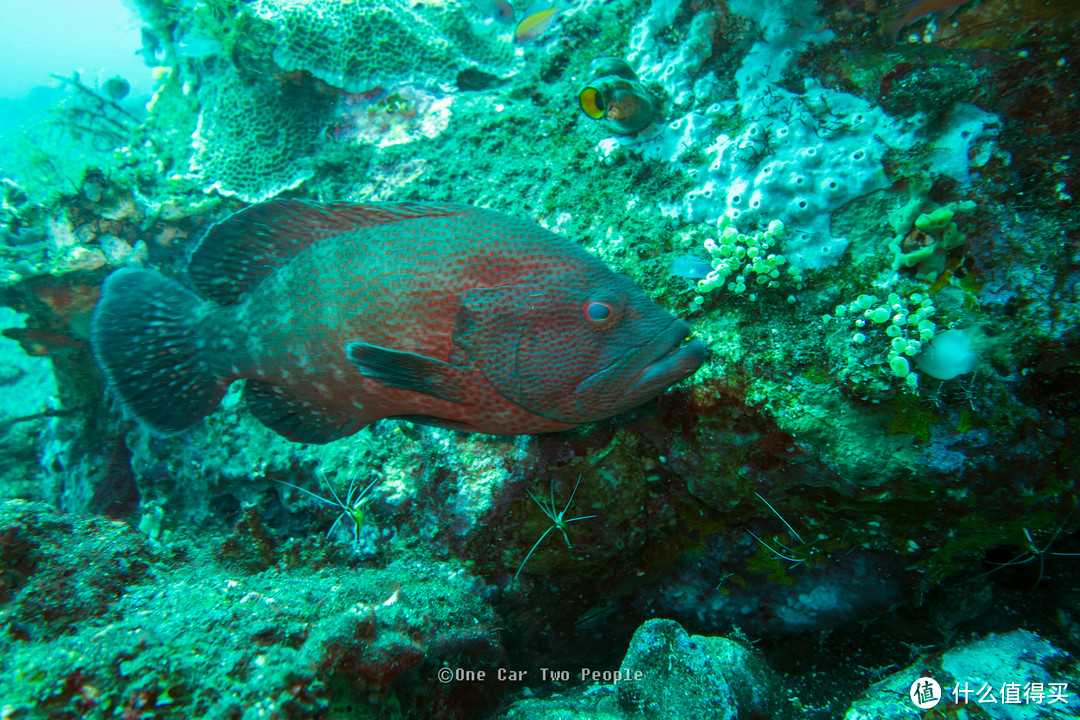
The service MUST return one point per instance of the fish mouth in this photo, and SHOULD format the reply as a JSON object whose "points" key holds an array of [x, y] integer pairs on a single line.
{"points": [[678, 357], [666, 358]]}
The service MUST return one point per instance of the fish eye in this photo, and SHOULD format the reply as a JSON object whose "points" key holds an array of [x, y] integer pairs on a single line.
{"points": [[598, 313], [592, 102]]}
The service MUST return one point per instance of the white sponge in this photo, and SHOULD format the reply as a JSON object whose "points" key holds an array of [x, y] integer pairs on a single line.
{"points": [[948, 355]]}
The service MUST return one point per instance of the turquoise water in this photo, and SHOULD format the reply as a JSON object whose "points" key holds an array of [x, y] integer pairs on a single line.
{"points": [[247, 485]]}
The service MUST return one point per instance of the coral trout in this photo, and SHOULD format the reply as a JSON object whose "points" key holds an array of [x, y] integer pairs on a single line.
{"points": [[339, 315]]}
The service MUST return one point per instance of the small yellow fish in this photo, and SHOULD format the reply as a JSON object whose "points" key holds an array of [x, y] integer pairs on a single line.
{"points": [[536, 20]]}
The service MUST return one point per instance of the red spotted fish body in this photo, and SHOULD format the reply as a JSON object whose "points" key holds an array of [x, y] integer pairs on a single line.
{"points": [[339, 315]]}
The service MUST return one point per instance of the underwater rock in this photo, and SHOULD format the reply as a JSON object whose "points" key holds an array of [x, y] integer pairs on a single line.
{"points": [[60, 571], [1016, 675], [666, 673], [767, 593], [692, 677]]}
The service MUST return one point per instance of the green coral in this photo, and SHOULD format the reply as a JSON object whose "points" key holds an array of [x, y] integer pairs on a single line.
{"points": [[360, 45], [741, 261], [944, 235], [903, 322]]}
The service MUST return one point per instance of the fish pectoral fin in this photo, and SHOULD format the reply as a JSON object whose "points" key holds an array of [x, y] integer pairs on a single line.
{"points": [[293, 418], [408, 371]]}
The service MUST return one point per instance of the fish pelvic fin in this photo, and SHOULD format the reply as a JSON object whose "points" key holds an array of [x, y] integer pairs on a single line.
{"points": [[234, 255], [144, 339]]}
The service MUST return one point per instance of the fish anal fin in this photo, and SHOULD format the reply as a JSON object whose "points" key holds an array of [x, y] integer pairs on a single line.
{"points": [[293, 418], [236, 253], [408, 371]]}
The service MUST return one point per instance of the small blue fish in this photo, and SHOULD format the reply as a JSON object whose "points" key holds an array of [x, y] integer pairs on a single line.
{"points": [[499, 10], [690, 266], [117, 88]]}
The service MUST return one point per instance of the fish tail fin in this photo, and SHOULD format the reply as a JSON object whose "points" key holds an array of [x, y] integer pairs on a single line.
{"points": [[144, 337]]}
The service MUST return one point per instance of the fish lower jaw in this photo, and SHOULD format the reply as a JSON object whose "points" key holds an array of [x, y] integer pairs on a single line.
{"points": [[680, 362]]}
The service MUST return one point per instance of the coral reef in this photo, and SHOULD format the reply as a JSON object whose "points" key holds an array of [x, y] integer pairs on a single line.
{"points": [[875, 470], [358, 46], [1035, 681], [102, 626], [256, 138]]}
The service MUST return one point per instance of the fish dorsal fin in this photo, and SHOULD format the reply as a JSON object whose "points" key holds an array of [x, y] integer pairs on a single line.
{"points": [[237, 253]]}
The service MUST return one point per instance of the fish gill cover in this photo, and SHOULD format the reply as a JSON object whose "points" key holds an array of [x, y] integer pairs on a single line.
{"points": [[869, 483]]}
